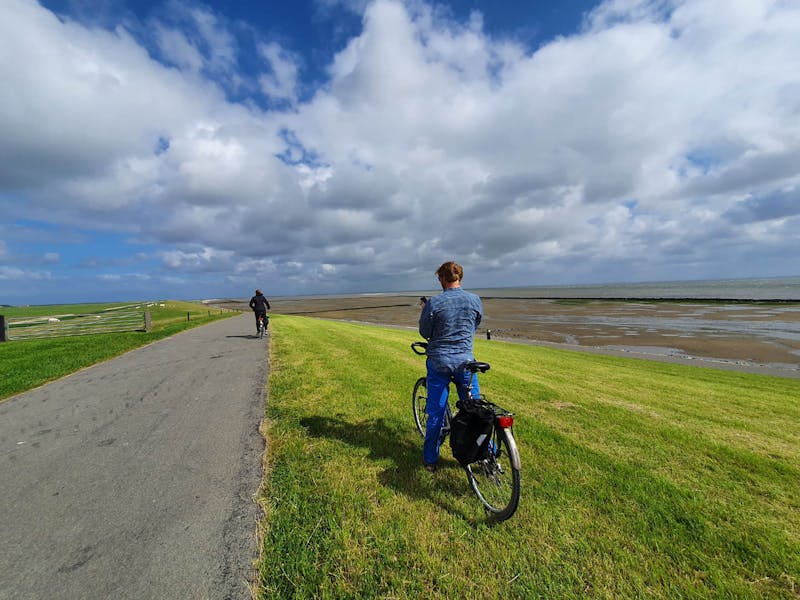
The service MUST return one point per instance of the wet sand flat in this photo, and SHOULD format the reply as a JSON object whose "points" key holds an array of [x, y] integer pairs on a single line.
{"points": [[751, 336]]}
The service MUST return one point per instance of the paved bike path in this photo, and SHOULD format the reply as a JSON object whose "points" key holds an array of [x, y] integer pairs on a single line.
{"points": [[135, 478]]}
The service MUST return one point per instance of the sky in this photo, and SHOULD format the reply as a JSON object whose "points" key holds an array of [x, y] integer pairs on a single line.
{"points": [[184, 149]]}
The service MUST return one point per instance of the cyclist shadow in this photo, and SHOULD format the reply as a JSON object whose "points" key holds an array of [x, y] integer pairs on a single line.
{"points": [[406, 474]]}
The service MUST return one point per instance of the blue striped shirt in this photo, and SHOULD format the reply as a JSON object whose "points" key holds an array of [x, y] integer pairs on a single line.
{"points": [[448, 321]]}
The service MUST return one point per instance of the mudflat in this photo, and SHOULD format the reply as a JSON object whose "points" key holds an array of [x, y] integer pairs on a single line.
{"points": [[751, 336]]}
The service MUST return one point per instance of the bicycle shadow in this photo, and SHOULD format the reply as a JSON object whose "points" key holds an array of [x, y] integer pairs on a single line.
{"points": [[406, 474]]}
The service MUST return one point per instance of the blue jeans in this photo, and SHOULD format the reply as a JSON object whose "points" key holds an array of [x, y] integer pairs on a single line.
{"points": [[438, 391]]}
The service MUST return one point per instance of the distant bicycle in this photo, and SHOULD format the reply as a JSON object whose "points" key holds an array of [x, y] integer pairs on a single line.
{"points": [[263, 323], [494, 476]]}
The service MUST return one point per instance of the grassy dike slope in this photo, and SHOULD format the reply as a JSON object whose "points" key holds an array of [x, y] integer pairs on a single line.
{"points": [[640, 479]]}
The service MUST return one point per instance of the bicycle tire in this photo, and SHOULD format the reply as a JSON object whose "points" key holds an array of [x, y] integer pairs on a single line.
{"points": [[495, 480], [419, 400]]}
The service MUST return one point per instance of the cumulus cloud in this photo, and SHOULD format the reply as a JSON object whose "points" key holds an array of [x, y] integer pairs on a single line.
{"points": [[660, 141], [281, 82], [15, 274], [178, 49], [194, 37]]}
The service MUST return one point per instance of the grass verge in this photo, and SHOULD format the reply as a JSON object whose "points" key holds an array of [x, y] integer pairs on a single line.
{"points": [[26, 364], [640, 479]]}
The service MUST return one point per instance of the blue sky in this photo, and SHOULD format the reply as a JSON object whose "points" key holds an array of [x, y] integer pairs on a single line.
{"points": [[177, 149]]}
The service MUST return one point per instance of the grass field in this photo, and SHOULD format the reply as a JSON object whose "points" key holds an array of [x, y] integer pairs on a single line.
{"points": [[56, 310], [640, 479], [25, 364]]}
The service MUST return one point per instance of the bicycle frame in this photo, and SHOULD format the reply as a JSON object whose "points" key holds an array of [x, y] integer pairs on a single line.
{"points": [[503, 419], [495, 475]]}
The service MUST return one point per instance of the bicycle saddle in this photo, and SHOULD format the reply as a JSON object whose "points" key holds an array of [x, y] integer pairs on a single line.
{"points": [[475, 366]]}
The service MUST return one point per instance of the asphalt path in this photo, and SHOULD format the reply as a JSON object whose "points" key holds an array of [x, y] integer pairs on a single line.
{"points": [[136, 478]]}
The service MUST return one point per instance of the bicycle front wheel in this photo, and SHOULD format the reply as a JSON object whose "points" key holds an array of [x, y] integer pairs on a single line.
{"points": [[495, 480], [419, 400]]}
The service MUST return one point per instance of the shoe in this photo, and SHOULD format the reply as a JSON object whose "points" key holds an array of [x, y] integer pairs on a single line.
{"points": [[430, 467]]}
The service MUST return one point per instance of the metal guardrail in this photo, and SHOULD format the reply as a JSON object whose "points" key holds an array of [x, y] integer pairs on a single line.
{"points": [[25, 328]]}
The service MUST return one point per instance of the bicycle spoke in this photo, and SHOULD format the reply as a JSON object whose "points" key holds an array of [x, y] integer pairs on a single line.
{"points": [[419, 401], [495, 481]]}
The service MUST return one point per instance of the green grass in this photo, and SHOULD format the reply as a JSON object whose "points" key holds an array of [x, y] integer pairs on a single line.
{"points": [[55, 310], [26, 364], [640, 479]]}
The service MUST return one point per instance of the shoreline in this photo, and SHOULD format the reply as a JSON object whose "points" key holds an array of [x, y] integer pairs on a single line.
{"points": [[645, 353], [657, 354], [753, 336], [710, 300]]}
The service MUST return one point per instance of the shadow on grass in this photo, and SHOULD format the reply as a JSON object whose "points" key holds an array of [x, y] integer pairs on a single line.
{"points": [[406, 474]]}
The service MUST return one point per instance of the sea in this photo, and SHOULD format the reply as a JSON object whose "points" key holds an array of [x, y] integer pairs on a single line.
{"points": [[776, 289], [783, 289]]}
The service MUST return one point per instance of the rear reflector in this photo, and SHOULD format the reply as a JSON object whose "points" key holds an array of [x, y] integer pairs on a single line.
{"points": [[505, 421]]}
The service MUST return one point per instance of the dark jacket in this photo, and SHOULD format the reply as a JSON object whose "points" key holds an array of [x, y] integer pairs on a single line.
{"points": [[259, 303]]}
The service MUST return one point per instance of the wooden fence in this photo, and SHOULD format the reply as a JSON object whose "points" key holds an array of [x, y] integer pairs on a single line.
{"points": [[26, 328]]}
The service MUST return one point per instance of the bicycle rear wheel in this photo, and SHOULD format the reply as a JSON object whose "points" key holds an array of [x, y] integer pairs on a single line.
{"points": [[419, 399], [495, 480]]}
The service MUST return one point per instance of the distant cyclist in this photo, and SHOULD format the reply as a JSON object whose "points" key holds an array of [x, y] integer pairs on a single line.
{"points": [[260, 306], [448, 321]]}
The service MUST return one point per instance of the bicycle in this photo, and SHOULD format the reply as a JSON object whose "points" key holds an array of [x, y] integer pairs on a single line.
{"points": [[263, 323], [494, 477]]}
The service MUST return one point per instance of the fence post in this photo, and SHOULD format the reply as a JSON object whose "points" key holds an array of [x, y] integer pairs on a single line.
{"points": [[3, 337], [148, 324], [187, 316]]}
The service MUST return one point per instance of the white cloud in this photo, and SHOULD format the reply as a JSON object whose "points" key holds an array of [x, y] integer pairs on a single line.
{"points": [[8, 273], [177, 48], [75, 101], [193, 36], [281, 82], [200, 260], [661, 141]]}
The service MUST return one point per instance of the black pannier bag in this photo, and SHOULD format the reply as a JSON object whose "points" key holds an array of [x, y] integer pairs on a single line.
{"points": [[470, 431]]}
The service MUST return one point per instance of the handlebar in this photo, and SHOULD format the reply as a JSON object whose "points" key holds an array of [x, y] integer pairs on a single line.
{"points": [[420, 348], [474, 366]]}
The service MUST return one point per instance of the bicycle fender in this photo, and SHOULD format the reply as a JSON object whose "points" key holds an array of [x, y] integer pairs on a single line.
{"points": [[512, 445]]}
